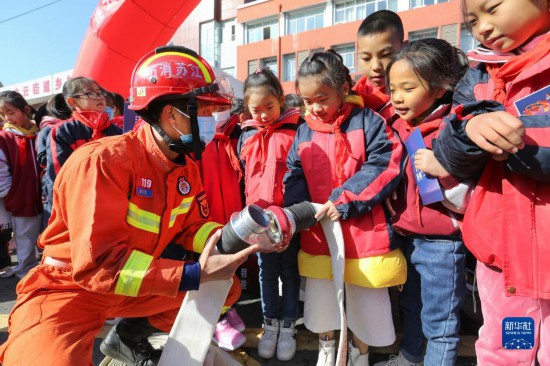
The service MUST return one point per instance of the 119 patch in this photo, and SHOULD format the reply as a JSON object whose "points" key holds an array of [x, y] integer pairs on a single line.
{"points": [[183, 186], [203, 205], [144, 187]]}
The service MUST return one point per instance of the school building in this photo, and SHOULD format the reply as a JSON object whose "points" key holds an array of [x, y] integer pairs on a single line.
{"points": [[240, 37]]}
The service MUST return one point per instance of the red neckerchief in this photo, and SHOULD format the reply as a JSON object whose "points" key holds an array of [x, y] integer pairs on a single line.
{"points": [[291, 116], [333, 126], [501, 74], [223, 138], [97, 121], [373, 97]]}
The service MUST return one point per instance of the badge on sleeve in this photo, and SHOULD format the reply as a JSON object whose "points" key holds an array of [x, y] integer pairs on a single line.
{"points": [[183, 186], [144, 187], [203, 205]]}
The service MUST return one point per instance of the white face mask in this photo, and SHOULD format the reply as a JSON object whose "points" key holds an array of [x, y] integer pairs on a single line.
{"points": [[221, 119], [207, 129]]}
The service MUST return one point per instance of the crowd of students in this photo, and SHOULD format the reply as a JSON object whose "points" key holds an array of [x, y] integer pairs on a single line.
{"points": [[348, 146]]}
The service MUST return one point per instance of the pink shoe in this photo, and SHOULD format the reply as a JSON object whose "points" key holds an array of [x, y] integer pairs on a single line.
{"points": [[235, 320], [227, 337]]}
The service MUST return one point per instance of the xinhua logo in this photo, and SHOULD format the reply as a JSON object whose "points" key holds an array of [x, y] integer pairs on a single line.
{"points": [[518, 333]]}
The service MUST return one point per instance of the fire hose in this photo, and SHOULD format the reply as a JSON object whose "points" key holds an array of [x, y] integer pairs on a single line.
{"points": [[191, 334]]}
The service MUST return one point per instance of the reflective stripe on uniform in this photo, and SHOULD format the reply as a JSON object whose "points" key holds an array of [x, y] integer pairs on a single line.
{"points": [[183, 208], [202, 235], [142, 219], [132, 274]]}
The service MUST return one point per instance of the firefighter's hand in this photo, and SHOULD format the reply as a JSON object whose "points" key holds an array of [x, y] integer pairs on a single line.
{"points": [[215, 266], [496, 132]]}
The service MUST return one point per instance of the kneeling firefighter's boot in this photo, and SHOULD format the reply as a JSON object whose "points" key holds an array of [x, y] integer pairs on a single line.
{"points": [[128, 342]]}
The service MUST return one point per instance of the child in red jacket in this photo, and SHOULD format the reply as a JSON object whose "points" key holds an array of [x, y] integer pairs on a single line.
{"points": [[379, 36], [263, 148], [20, 178], [499, 134]]}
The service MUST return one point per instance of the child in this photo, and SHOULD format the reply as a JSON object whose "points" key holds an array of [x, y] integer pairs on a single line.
{"points": [[379, 36], [222, 180], [263, 148], [420, 79], [349, 159], [506, 223], [46, 125], [82, 107], [20, 178], [5, 230]]}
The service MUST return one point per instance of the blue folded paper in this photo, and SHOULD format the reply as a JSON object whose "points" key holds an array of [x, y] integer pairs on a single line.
{"points": [[428, 186]]}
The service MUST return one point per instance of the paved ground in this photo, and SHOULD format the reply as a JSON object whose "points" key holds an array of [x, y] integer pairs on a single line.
{"points": [[250, 310]]}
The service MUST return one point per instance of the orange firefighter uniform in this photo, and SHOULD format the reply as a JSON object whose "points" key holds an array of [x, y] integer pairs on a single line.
{"points": [[118, 203]]}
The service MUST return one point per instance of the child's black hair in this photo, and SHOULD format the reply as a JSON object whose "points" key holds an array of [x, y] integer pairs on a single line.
{"points": [[118, 103], [435, 61], [293, 101], [17, 101], [237, 106], [329, 67], [41, 112], [58, 105], [382, 21], [265, 79]]}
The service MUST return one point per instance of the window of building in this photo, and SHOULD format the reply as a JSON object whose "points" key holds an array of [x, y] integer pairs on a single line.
{"points": [[305, 20], [208, 42], [289, 67], [467, 41], [252, 66], [264, 30], [269, 63], [419, 3], [352, 10], [347, 51], [421, 34]]}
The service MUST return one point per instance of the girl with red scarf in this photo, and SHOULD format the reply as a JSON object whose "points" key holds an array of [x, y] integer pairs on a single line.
{"points": [[82, 111], [263, 148], [420, 79], [346, 157], [496, 135], [20, 179]]}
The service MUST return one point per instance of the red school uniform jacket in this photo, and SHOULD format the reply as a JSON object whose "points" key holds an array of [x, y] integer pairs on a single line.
{"points": [[263, 152], [506, 222], [222, 174], [24, 198]]}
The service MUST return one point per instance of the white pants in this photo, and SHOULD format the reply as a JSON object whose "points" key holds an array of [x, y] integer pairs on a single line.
{"points": [[25, 233], [368, 311]]}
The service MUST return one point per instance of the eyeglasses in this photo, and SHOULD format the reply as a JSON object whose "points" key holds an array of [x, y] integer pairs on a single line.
{"points": [[92, 95]]}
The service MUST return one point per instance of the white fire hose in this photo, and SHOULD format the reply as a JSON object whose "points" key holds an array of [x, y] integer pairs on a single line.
{"points": [[192, 332]]}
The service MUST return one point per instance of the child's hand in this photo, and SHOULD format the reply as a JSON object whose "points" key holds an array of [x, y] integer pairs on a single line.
{"points": [[496, 132], [425, 161], [389, 200], [328, 209]]}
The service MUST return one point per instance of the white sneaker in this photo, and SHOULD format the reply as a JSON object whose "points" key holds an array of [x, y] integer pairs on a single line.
{"points": [[327, 353], [268, 343], [355, 358], [7, 272], [286, 344], [398, 360]]}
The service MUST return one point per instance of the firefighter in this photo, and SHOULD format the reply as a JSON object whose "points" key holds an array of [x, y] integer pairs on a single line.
{"points": [[118, 204]]}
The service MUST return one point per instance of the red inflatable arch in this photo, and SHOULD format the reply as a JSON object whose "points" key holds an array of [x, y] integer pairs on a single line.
{"points": [[121, 32]]}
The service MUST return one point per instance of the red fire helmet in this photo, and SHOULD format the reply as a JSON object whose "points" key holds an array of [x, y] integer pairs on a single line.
{"points": [[173, 70]]}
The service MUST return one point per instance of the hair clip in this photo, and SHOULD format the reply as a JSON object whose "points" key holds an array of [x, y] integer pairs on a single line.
{"points": [[259, 71]]}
